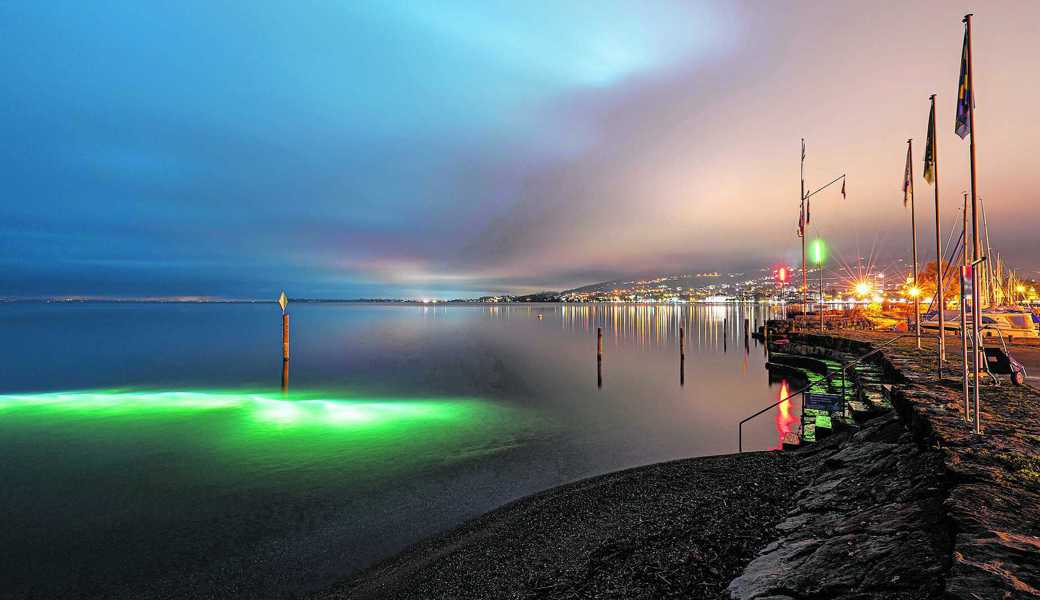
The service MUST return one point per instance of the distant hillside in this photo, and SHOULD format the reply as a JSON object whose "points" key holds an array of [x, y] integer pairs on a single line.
{"points": [[684, 280]]}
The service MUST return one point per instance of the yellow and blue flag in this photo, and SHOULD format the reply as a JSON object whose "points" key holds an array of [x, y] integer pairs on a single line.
{"points": [[965, 93]]}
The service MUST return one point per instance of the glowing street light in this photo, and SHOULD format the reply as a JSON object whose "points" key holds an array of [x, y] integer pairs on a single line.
{"points": [[863, 289], [914, 292]]}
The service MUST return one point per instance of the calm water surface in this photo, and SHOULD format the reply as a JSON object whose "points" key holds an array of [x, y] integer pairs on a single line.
{"points": [[149, 451]]}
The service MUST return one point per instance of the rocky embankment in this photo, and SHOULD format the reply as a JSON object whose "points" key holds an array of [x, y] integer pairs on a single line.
{"points": [[869, 523], [921, 506]]}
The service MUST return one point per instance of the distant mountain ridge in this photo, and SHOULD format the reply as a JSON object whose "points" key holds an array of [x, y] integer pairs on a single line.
{"points": [[683, 280]]}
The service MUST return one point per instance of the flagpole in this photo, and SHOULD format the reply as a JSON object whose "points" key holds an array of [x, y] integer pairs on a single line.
{"points": [[976, 316], [940, 281], [805, 282], [913, 227], [964, 305]]}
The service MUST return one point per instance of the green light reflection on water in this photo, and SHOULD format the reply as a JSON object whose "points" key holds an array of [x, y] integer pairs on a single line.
{"points": [[297, 409], [311, 434]]}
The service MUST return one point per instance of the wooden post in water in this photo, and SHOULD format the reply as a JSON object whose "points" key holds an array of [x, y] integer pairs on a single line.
{"points": [[283, 301], [682, 357], [599, 357], [285, 336]]}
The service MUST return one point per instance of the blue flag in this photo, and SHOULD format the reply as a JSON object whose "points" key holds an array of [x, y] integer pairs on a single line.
{"points": [[965, 93]]}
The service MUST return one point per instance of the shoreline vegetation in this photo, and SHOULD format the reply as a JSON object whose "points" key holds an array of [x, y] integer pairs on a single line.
{"points": [[909, 505]]}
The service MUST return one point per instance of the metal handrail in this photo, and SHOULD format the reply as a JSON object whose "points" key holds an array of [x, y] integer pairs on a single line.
{"points": [[828, 378]]}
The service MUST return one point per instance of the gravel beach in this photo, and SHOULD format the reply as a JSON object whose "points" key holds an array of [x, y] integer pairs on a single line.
{"points": [[678, 529]]}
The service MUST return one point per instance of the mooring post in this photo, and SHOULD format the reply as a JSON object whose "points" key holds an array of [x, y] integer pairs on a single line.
{"points": [[599, 343], [285, 336], [682, 342]]}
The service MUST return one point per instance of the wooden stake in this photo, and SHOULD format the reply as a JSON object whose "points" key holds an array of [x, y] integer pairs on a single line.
{"points": [[285, 336]]}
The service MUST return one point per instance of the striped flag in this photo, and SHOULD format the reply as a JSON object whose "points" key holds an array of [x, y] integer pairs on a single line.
{"points": [[929, 148], [965, 93], [908, 179]]}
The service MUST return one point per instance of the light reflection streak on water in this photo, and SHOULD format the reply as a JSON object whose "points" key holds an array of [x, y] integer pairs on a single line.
{"points": [[784, 419], [709, 327]]}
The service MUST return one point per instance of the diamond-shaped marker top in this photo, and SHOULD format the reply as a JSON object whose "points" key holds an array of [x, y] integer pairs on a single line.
{"points": [[282, 300]]}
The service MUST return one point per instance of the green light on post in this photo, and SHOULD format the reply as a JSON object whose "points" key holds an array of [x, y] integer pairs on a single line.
{"points": [[819, 252]]}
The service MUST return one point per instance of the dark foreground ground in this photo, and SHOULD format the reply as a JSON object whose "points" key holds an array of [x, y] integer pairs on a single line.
{"points": [[677, 529]]}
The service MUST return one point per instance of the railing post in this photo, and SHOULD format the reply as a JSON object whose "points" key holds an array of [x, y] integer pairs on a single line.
{"points": [[844, 411]]}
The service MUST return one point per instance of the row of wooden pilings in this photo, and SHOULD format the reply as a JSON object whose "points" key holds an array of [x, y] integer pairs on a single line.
{"points": [[682, 349], [599, 350]]}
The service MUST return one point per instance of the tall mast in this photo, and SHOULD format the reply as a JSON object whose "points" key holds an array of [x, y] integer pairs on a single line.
{"points": [[805, 281], [940, 281], [976, 249], [964, 302], [990, 266], [913, 227]]}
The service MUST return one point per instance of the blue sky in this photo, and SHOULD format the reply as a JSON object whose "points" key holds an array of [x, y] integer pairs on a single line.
{"points": [[347, 149]]}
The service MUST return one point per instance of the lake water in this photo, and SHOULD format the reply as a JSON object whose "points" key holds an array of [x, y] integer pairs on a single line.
{"points": [[148, 450]]}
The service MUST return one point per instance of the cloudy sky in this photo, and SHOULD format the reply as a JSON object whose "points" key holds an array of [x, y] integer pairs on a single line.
{"points": [[392, 148]]}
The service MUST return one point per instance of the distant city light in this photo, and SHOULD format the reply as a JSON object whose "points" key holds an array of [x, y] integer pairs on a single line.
{"points": [[863, 289]]}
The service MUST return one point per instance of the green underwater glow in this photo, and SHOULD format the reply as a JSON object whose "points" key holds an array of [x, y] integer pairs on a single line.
{"points": [[295, 409], [267, 435]]}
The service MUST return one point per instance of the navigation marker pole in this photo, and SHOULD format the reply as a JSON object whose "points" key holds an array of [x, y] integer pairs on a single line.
{"points": [[283, 301]]}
